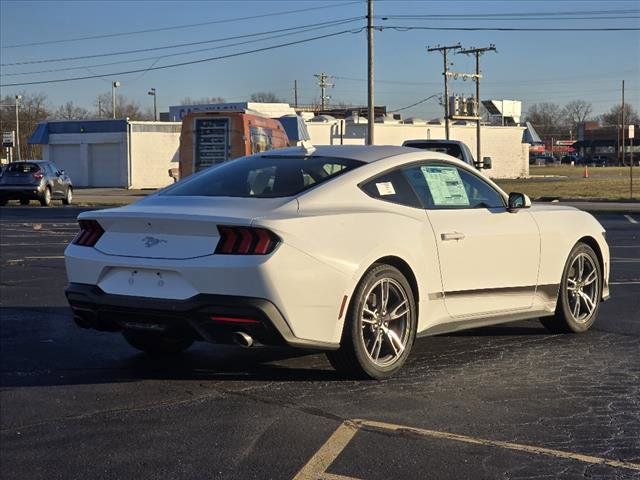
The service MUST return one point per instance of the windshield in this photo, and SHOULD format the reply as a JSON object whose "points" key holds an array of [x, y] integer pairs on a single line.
{"points": [[263, 177]]}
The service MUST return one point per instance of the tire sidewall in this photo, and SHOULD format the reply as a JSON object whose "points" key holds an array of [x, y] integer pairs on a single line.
{"points": [[68, 198], [573, 325], [46, 197], [355, 312]]}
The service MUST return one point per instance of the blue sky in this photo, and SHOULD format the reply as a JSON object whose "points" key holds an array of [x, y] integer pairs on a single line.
{"points": [[529, 66]]}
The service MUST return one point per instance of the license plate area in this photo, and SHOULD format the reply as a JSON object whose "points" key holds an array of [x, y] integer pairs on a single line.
{"points": [[145, 282]]}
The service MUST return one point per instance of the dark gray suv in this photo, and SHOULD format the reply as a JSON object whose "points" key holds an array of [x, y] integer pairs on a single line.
{"points": [[35, 180]]}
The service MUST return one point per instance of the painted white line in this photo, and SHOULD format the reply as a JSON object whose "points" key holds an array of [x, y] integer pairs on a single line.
{"points": [[625, 260], [624, 283], [44, 257], [325, 456], [496, 443], [39, 244], [631, 219]]}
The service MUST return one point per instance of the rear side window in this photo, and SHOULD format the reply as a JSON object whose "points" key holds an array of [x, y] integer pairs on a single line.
{"points": [[21, 167], [263, 177], [392, 187]]}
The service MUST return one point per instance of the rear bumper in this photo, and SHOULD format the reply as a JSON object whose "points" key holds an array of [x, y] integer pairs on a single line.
{"points": [[93, 308], [20, 191]]}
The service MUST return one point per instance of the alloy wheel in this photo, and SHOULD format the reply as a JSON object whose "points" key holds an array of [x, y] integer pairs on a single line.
{"points": [[385, 322], [582, 287]]}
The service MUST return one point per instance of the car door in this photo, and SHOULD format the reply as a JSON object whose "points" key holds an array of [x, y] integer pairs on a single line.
{"points": [[488, 256], [56, 180]]}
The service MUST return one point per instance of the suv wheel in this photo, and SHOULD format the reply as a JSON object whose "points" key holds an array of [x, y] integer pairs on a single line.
{"points": [[68, 197], [45, 199], [380, 326]]}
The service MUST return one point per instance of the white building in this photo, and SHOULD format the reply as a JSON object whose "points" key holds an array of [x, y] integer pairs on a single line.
{"points": [[111, 153]]}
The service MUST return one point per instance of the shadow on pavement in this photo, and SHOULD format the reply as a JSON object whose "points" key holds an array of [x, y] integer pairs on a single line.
{"points": [[42, 346]]}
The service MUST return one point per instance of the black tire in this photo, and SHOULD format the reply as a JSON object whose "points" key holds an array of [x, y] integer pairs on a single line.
{"points": [[565, 320], [24, 201], [68, 197], [45, 198], [353, 359], [156, 343]]}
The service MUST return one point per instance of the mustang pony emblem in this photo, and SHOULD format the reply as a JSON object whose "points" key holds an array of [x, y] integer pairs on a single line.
{"points": [[152, 241]]}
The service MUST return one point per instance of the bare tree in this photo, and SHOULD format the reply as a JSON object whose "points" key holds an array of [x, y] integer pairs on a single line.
{"points": [[125, 108], [547, 119], [265, 97], [201, 100], [33, 109], [575, 112], [71, 111], [612, 117]]}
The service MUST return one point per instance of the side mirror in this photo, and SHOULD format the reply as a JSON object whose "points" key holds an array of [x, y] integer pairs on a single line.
{"points": [[518, 201], [486, 163]]}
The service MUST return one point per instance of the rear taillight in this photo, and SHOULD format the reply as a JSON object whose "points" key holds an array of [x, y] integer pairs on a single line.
{"points": [[89, 234], [246, 241], [38, 175]]}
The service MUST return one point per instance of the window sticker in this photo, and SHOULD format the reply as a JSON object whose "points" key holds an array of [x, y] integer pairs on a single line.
{"points": [[445, 185], [385, 188]]}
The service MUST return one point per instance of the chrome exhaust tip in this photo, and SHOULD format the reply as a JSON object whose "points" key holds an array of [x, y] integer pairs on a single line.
{"points": [[242, 339]]}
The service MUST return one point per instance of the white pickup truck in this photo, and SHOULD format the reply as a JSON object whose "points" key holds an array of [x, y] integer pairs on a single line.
{"points": [[455, 148]]}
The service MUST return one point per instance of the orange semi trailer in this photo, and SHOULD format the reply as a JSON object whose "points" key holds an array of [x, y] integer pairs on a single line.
{"points": [[210, 138]]}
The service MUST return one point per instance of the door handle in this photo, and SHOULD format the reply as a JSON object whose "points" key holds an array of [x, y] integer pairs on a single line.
{"points": [[452, 236]]}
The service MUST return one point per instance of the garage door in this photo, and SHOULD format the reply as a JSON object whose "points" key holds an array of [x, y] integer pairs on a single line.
{"points": [[67, 158], [106, 165]]}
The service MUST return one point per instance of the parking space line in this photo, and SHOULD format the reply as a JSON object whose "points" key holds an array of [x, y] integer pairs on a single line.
{"points": [[624, 283], [497, 443], [315, 468], [631, 219], [32, 244]]}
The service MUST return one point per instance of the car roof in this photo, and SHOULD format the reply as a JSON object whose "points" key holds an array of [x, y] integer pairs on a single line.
{"points": [[427, 140], [28, 161], [362, 153]]}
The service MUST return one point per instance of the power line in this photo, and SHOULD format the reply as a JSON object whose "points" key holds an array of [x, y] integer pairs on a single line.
{"points": [[414, 104], [181, 64], [528, 19], [514, 14], [187, 44], [188, 52], [403, 28], [176, 27]]}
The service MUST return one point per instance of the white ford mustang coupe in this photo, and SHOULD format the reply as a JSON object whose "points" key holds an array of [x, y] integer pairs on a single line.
{"points": [[353, 250]]}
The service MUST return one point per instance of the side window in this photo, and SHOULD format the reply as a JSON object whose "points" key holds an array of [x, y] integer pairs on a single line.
{"points": [[479, 192], [442, 186], [392, 187]]}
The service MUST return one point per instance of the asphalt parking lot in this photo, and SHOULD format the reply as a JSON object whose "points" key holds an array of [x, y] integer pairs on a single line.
{"points": [[503, 402]]}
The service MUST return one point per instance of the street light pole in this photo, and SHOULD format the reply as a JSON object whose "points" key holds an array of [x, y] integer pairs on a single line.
{"points": [[114, 85], [18, 98], [152, 92]]}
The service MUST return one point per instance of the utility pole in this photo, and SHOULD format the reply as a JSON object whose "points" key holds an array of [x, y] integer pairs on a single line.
{"points": [[18, 98], [445, 74], [622, 119], [370, 102], [323, 84], [295, 93], [152, 92], [478, 52]]}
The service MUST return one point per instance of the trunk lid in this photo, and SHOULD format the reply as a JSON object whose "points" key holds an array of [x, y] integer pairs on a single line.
{"points": [[171, 227]]}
